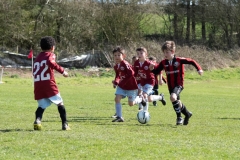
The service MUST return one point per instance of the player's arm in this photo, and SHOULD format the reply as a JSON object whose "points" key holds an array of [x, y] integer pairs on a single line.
{"points": [[52, 63], [194, 63], [128, 75], [157, 68], [116, 80]]}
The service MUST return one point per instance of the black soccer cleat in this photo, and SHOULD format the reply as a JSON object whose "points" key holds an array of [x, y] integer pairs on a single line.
{"points": [[186, 119], [154, 103], [163, 99], [179, 121], [118, 119]]}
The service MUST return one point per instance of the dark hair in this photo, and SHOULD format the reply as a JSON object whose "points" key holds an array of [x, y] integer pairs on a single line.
{"points": [[47, 43], [134, 57], [152, 58], [119, 49], [142, 49]]}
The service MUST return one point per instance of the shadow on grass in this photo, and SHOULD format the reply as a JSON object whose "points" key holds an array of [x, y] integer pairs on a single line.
{"points": [[226, 118], [15, 130]]}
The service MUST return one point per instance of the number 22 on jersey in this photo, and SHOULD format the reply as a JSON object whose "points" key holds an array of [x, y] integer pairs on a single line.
{"points": [[40, 71]]}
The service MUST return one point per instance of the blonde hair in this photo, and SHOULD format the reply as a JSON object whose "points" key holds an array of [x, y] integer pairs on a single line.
{"points": [[169, 45]]}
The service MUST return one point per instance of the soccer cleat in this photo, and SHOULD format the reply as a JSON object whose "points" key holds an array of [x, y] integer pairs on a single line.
{"points": [[163, 99], [186, 119], [37, 125], [115, 115], [65, 126], [154, 103], [118, 119], [179, 121]]}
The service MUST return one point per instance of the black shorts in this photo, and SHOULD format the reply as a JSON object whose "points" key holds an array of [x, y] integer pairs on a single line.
{"points": [[177, 90]]}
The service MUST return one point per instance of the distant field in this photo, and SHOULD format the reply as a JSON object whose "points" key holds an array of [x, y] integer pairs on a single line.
{"points": [[213, 131]]}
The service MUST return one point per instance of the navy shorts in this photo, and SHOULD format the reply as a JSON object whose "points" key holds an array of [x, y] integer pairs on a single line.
{"points": [[177, 90]]}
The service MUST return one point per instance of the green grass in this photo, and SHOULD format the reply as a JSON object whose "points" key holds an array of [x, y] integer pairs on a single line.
{"points": [[213, 132]]}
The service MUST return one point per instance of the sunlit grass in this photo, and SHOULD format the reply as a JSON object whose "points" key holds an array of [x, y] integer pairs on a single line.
{"points": [[211, 134]]}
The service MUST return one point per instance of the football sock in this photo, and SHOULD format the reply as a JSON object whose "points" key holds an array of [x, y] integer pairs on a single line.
{"points": [[140, 106], [138, 100], [177, 107], [39, 113], [145, 108], [118, 107], [62, 112], [184, 110], [156, 98]]}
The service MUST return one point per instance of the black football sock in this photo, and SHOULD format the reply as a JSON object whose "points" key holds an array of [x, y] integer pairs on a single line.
{"points": [[184, 110], [177, 107], [39, 113], [62, 112]]}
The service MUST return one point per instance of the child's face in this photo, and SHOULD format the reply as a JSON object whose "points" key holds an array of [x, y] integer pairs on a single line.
{"points": [[141, 55], [168, 54], [118, 57]]}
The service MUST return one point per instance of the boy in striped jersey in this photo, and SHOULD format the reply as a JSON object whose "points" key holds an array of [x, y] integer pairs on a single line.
{"points": [[174, 69]]}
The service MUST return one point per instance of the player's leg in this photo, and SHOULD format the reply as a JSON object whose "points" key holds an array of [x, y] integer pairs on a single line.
{"points": [[175, 99], [155, 92], [118, 106], [57, 99], [42, 105], [152, 97], [186, 113], [140, 105]]}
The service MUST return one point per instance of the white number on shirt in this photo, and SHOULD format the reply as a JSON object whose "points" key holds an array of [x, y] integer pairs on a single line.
{"points": [[41, 76]]}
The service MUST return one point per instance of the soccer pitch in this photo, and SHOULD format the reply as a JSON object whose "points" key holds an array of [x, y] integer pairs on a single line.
{"points": [[212, 133]]}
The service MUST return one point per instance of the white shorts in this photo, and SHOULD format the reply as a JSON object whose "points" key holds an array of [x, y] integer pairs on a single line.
{"points": [[131, 94], [46, 102], [147, 88]]}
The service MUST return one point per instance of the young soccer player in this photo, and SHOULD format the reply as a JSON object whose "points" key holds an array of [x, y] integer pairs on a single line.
{"points": [[141, 67], [174, 69], [45, 88], [124, 82]]}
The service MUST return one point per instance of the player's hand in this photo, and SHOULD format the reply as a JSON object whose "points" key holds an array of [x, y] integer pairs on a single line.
{"points": [[65, 74], [151, 66], [200, 72], [160, 82]]}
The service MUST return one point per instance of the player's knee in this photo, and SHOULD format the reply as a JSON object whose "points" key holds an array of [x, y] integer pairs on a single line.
{"points": [[130, 104], [173, 97], [117, 99], [60, 104]]}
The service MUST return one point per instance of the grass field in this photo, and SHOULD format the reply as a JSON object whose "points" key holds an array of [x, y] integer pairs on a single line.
{"points": [[213, 131]]}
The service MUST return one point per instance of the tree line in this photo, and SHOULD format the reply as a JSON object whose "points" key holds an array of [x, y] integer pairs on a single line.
{"points": [[79, 25]]}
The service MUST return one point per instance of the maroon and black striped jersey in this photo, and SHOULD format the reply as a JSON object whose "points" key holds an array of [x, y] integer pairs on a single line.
{"points": [[175, 70], [43, 72]]}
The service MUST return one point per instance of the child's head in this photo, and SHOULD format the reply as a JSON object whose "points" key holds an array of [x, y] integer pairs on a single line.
{"points": [[47, 43], [142, 53], [134, 58], [168, 49], [118, 54], [153, 59]]}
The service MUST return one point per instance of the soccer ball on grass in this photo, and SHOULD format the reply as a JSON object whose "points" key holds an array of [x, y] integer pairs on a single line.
{"points": [[143, 117]]}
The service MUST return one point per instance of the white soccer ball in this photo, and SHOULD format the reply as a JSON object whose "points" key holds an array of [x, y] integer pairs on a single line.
{"points": [[143, 116]]}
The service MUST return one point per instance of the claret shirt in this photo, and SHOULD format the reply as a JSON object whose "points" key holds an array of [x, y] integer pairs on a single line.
{"points": [[142, 69], [125, 76], [43, 72]]}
